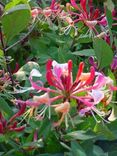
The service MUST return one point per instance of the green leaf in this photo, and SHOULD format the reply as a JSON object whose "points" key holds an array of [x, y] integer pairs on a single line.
{"points": [[14, 3], [110, 22], [25, 70], [103, 53], [84, 39], [109, 4], [1, 53], [80, 135], [15, 20], [2, 138], [5, 107], [98, 151], [44, 128], [109, 17], [102, 130], [77, 150], [85, 52]]}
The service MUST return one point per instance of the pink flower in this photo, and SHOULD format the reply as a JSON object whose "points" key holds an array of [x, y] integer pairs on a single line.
{"points": [[52, 11], [88, 89], [90, 17], [11, 124], [35, 12]]}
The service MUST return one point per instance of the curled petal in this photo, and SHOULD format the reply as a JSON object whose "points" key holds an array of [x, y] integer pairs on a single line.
{"points": [[91, 77], [35, 73], [80, 70], [35, 12], [43, 99], [52, 4], [19, 113], [83, 111], [73, 3], [17, 129], [97, 95], [83, 5], [49, 65], [114, 88], [70, 66], [96, 14], [103, 22]]}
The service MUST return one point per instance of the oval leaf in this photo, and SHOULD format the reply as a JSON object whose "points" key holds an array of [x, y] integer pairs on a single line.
{"points": [[103, 53], [15, 20], [5, 107]]}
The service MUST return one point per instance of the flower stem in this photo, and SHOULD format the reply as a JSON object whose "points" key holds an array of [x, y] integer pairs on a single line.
{"points": [[5, 55]]}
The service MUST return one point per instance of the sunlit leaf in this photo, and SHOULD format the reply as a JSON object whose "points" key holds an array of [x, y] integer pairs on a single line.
{"points": [[80, 135], [5, 107], [102, 129], [77, 150], [85, 52], [15, 20]]}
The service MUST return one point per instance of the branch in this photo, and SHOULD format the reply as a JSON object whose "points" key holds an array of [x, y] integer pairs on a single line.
{"points": [[4, 50], [19, 41]]}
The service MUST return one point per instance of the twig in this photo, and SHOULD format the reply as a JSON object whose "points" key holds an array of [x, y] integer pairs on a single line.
{"points": [[4, 50], [19, 41]]}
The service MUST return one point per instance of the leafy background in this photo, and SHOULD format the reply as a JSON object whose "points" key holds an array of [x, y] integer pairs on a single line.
{"points": [[38, 42]]}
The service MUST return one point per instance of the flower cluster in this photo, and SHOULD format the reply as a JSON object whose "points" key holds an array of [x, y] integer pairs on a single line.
{"points": [[11, 125], [92, 18], [88, 90]]}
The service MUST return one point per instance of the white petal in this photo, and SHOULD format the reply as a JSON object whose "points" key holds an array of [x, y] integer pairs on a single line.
{"points": [[97, 95], [35, 73]]}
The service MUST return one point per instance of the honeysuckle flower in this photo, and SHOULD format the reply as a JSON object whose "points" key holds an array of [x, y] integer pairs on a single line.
{"points": [[90, 17], [60, 76], [34, 106], [35, 12], [88, 89], [11, 124], [19, 89], [66, 30], [49, 13], [64, 109], [102, 91]]}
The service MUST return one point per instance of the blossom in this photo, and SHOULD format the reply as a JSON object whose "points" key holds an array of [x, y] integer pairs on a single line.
{"points": [[88, 89], [11, 124], [48, 13], [90, 17], [102, 91], [64, 109]]}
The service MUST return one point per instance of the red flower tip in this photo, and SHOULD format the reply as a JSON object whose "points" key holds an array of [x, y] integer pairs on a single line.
{"points": [[52, 4], [92, 76], [96, 13], [70, 66], [50, 78], [83, 5], [49, 64], [73, 3], [113, 88], [18, 129], [80, 70], [21, 111]]}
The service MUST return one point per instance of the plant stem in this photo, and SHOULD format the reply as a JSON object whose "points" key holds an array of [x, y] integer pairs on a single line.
{"points": [[5, 55], [19, 41]]}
